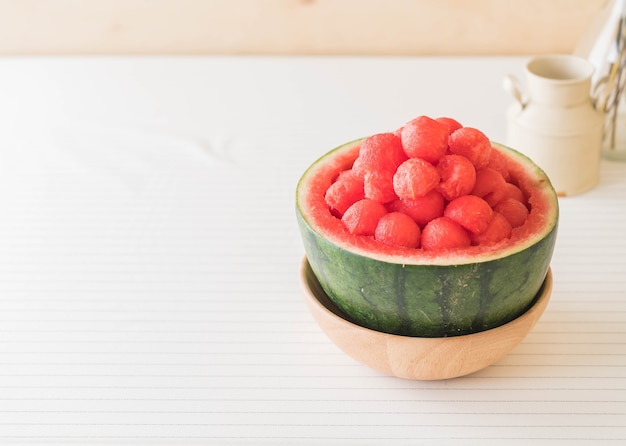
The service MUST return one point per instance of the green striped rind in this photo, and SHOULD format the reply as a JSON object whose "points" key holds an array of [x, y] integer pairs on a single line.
{"points": [[428, 301]]}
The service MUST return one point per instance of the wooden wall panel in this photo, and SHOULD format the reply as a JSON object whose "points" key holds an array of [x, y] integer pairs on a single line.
{"points": [[389, 27]]}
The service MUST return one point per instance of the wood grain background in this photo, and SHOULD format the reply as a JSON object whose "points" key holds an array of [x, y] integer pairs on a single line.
{"points": [[343, 27]]}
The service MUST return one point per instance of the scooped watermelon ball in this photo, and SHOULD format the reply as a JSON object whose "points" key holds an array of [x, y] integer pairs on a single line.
{"points": [[498, 162], [346, 190], [425, 138], [498, 229], [452, 124], [378, 185], [512, 191], [458, 176], [444, 233], [362, 217], [382, 151], [422, 209], [415, 178], [398, 229], [513, 210], [471, 212], [472, 144], [490, 186]]}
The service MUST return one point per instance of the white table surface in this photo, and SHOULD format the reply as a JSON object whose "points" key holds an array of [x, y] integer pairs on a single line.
{"points": [[149, 262]]}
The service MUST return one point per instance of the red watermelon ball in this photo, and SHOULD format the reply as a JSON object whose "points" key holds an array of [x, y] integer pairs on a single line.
{"points": [[472, 144], [398, 229], [443, 233], [471, 212], [421, 209], [490, 186], [458, 176], [513, 210], [497, 230], [362, 217], [452, 124], [425, 138], [415, 178], [346, 190], [378, 185], [382, 151]]}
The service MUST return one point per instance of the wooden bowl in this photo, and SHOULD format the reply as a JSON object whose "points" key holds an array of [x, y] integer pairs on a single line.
{"points": [[415, 357]]}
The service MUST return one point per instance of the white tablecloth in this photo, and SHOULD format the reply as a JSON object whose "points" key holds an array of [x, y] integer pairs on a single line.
{"points": [[149, 262]]}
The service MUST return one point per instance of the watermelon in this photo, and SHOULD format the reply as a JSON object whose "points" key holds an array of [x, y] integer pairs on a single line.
{"points": [[443, 288]]}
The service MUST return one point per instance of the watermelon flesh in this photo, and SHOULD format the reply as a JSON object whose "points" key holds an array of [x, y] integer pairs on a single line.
{"points": [[475, 256]]}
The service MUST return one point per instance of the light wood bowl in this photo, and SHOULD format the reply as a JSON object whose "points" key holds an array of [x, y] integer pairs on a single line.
{"points": [[413, 357]]}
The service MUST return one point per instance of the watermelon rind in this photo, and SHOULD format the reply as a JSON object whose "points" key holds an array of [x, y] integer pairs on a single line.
{"points": [[413, 293]]}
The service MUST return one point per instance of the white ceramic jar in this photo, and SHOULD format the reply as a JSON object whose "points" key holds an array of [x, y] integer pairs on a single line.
{"points": [[556, 123]]}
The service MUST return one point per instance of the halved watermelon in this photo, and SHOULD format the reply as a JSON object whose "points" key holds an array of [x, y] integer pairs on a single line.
{"points": [[429, 293]]}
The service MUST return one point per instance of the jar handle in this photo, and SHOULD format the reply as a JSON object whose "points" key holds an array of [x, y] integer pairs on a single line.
{"points": [[513, 86]]}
